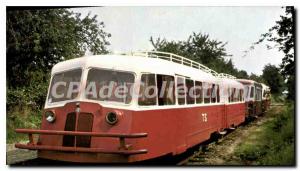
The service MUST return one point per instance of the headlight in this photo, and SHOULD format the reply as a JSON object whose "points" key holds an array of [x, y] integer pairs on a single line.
{"points": [[111, 118], [50, 116]]}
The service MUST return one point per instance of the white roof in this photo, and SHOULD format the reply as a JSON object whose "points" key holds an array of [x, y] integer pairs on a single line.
{"points": [[245, 81], [133, 64], [231, 83]]}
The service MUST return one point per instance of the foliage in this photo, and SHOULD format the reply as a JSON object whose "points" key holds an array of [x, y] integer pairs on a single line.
{"points": [[285, 39], [291, 87], [21, 117], [242, 74], [33, 95], [36, 40], [273, 78], [200, 48], [283, 35], [256, 78], [277, 98], [274, 144]]}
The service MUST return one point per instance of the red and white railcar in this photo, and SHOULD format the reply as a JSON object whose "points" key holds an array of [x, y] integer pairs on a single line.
{"points": [[233, 98], [253, 97], [80, 127]]}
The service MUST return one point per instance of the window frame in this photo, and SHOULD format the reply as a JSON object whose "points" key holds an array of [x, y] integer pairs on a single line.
{"points": [[213, 88], [258, 92], [187, 91], [201, 93], [218, 94], [156, 97], [229, 94], [183, 80], [107, 102], [174, 93], [70, 100], [208, 91], [176, 87], [252, 92]]}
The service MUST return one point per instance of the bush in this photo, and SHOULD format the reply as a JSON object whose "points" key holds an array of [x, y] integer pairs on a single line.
{"points": [[283, 157], [277, 98], [250, 152], [24, 105], [32, 95], [19, 117]]}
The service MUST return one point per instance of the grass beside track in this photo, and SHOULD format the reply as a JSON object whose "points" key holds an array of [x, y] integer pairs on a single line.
{"points": [[273, 143], [21, 117]]}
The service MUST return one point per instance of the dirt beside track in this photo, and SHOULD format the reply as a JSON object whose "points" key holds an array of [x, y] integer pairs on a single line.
{"points": [[14, 156]]}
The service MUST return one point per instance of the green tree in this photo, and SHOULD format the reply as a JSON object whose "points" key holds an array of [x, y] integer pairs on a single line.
{"points": [[283, 35], [256, 78], [38, 39], [242, 74], [200, 48], [273, 78]]}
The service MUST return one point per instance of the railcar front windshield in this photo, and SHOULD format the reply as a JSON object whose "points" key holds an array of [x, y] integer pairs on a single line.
{"points": [[109, 85], [65, 86]]}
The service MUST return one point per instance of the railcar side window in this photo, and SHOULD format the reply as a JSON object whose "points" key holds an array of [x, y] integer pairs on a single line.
{"points": [[65, 86], [243, 98], [214, 93], [207, 92], [232, 95], [148, 91], [246, 92], [109, 85], [218, 93], [258, 94], [252, 92], [165, 89], [236, 95], [241, 95], [229, 94], [190, 94], [199, 92], [180, 89]]}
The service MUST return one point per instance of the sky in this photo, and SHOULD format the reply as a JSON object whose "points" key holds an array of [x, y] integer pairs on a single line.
{"points": [[132, 27]]}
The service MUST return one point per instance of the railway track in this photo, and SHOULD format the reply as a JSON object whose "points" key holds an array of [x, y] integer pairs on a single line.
{"points": [[199, 155], [220, 151]]}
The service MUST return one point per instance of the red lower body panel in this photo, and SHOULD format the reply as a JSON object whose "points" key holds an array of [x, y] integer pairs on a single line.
{"points": [[235, 114], [169, 131], [173, 131]]}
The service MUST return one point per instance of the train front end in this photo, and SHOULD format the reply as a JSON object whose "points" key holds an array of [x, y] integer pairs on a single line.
{"points": [[76, 127]]}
